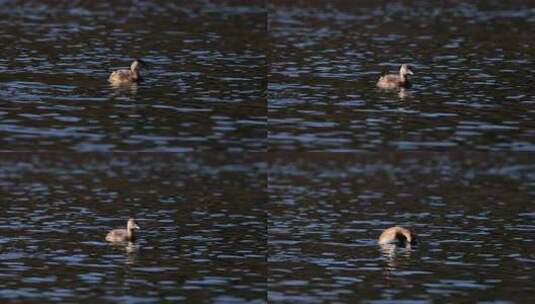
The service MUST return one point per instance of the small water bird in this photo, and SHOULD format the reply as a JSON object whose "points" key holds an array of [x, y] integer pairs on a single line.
{"points": [[393, 81], [127, 76], [123, 235], [397, 235]]}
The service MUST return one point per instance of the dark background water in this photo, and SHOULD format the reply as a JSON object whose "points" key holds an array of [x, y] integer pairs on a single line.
{"points": [[202, 237], [473, 64], [204, 88], [473, 213]]}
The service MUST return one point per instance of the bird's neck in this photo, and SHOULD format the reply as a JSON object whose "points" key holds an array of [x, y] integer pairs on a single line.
{"points": [[403, 77], [135, 74], [130, 234]]}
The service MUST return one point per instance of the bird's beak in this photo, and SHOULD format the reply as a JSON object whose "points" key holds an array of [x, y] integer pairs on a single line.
{"points": [[136, 227], [410, 72]]}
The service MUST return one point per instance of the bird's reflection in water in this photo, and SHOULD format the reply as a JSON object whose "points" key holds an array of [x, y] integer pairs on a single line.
{"points": [[396, 256], [124, 89], [404, 93], [130, 248], [131, 253]]}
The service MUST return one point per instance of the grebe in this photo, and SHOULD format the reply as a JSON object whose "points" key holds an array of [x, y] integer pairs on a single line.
{"points": [[122, 235], [127, 76], [398, 235], [393, 81]]}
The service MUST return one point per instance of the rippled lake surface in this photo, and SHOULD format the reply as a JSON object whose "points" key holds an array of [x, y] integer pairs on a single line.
{"points": [[472, 88], [204, 87], [202, 237], [473, 214]]}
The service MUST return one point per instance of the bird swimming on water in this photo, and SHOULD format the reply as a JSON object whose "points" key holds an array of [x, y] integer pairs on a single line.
{"points": [[123, 235], [127, 76], [393, 81], [397, 235]]}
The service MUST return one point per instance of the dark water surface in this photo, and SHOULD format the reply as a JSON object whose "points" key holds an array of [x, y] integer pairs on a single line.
{"points": [[204, 88], [202, 237], [474, 215], [473, 82]]}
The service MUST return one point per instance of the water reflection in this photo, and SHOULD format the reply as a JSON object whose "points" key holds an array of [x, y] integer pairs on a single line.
{"points": [[128, 249], [396, 257], [404, 94], [129, 89], [131, 252]]}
